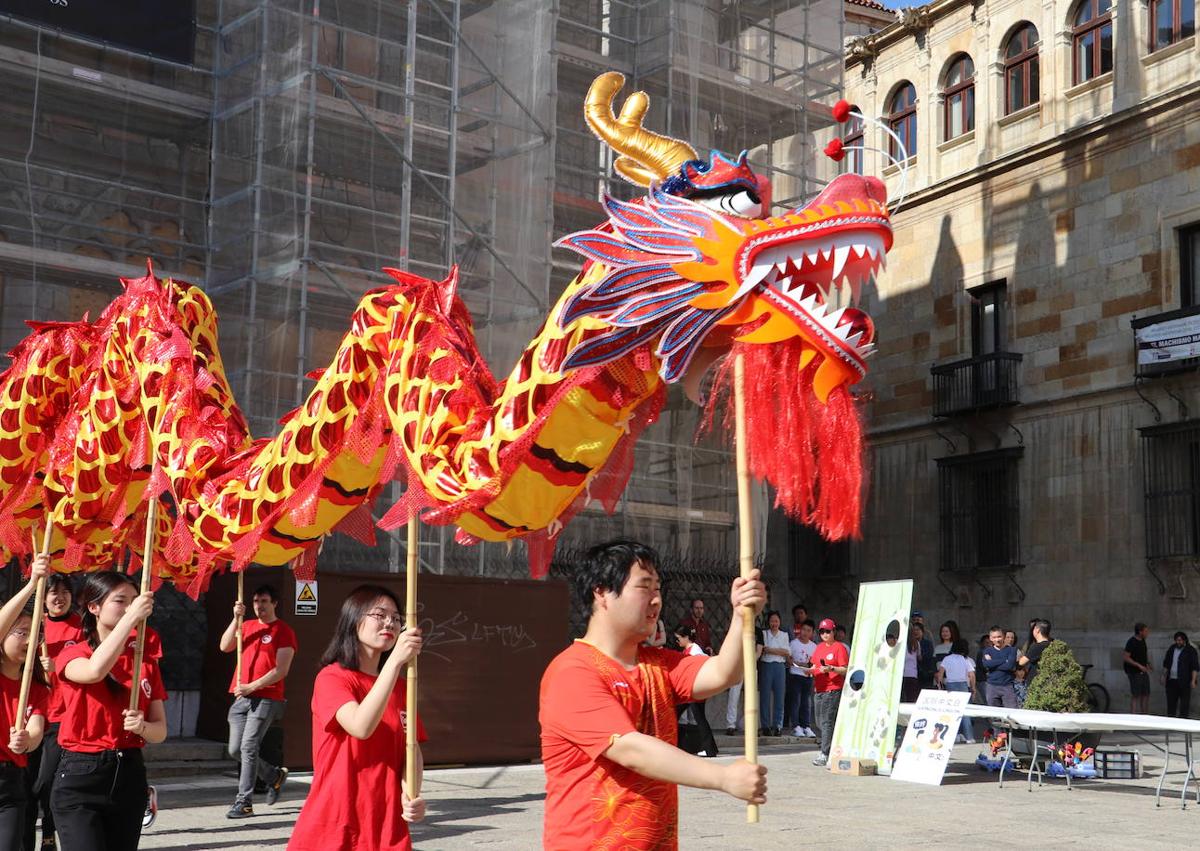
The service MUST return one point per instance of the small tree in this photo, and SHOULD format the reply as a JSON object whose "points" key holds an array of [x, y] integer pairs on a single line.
{"points": [[1059, 685]]}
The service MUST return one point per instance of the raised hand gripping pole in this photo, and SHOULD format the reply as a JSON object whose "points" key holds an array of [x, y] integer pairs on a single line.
{"points": [[139, 647], [410, 622], [746, 564], [31, 655]]}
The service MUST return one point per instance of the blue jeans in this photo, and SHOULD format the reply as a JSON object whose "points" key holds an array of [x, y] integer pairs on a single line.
{"points": [[249, 720], [798, 702], [772, 686], [965, 726]]}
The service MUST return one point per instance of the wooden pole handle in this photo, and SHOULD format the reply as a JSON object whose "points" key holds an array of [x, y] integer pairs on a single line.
{"points": [[35, 631], [237, 677], [139, 646], [410, 622], [746, 564]]}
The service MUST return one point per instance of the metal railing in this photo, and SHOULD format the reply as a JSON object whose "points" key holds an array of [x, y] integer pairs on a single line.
{"points": [[975, 384]]}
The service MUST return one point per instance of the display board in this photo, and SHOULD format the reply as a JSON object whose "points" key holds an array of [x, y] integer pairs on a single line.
{"points": [[929, 737], [866, 723]]}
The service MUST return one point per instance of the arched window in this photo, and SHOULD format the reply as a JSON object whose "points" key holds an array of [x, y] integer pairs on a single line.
{"points": [[902, 119], [853, 163], [1022, 85], [959, 97], [1171, 21], [1092, 40]]}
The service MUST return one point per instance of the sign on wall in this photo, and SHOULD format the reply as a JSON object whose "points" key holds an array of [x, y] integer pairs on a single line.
{"points": [[306, 596], [166, 29], [1169, 340]]}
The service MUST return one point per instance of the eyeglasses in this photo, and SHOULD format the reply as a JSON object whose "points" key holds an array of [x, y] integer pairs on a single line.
{"points": [[825, 631], [386, 620]]}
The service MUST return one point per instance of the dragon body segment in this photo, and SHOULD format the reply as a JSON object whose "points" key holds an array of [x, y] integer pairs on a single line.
{"points": [[98, 418]]}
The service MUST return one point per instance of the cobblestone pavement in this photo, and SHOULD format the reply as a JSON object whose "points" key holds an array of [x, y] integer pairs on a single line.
{"points": [[501, 808]]}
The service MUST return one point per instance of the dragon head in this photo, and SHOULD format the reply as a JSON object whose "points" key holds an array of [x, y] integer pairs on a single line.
{"points": [[700, 264]]}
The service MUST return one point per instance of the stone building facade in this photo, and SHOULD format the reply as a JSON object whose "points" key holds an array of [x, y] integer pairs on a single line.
{"points": [[1022, 463]]}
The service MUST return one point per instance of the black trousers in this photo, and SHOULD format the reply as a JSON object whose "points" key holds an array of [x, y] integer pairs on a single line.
{"points": [[1179, 694], [99, 799], [14, 794], [43, 765]]}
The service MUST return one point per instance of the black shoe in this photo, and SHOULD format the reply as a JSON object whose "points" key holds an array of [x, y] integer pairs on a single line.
{"points": [[281, 776], [240, 809], [730, 731]]}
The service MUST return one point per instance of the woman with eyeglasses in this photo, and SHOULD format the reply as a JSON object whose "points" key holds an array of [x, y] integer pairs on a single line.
{"points": [[360, 798], [16, 830]]}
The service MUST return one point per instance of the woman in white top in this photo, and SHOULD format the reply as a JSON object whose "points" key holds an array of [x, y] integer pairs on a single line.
{"points": [[957, 673], [705, 744], [775, 653]]}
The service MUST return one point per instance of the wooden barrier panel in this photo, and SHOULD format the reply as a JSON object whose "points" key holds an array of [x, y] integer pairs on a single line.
{"points": [[487, 642]]}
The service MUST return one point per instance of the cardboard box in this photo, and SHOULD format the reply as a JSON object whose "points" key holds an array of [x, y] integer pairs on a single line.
{"points": [[853, 766]]}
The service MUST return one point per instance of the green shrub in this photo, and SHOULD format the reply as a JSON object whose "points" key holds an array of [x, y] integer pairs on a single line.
{"points": [[1059, 685]]}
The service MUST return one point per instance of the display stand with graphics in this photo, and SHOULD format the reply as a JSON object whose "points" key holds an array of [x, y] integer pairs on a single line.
{"points": [[929, 738]]}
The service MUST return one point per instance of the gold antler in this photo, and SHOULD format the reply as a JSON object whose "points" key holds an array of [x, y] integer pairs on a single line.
{"points": [[645, 156]]}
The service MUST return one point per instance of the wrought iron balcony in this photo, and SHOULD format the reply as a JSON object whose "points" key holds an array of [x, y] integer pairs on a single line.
{"points": [[976, 384]]}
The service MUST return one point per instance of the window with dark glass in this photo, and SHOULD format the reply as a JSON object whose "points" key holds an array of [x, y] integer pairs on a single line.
{"points": [[1189, 266], [959, 97], [1171, 483], [979, 510], [1022, 86], [1171, 21], [853, 163], [988, 334], [902, 119], [1092, 40]]}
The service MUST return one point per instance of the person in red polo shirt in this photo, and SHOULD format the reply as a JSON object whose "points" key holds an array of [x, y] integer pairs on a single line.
{"points": [[268, 647], [607, 712], [16, 827], [100, 793], [61, 628], [829, 664], [360, 798]]}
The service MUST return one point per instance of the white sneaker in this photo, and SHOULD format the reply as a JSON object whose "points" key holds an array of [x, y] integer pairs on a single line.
{"points": [[820, 759], [798, 732], [702, 753], [960, 739], [970, 741]]}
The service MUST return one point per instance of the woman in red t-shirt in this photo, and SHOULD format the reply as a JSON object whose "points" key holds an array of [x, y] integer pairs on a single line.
{"points": [[15, 624], [99, 794], [359, 797], [61, 628]]}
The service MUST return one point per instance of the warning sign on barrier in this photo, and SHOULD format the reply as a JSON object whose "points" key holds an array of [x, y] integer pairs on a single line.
{"points": [[306, 597]]}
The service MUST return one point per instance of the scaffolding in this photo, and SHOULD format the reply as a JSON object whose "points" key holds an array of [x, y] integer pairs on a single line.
{"points": [[310, 144]]}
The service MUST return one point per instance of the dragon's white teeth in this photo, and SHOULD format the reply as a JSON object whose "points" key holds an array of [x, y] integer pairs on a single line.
{"points": [[832, 319], [809, 303], [812, 256], [826, 250], [859, 249], [854, 338], [757, 275], [840, 255], [873, 249]]}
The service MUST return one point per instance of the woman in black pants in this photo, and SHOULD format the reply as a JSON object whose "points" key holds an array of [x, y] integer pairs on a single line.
{"points": [[99, 794], [706, 745]]}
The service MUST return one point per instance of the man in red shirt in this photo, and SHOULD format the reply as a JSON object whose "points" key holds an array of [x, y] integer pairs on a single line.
{"points": [[607, 712], [829, 666], [268, 646], [696, 621]]}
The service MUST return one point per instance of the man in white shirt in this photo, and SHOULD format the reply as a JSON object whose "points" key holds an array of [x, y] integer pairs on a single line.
{"points": [[799, 682]]}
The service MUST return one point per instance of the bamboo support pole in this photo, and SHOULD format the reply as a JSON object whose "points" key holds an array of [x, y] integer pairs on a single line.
{"points": [[237, 677], [35, 630], [746, 564], [410, 622], [139, 647]]}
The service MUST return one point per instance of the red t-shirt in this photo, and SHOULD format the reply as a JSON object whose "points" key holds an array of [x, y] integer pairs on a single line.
{"points": [[587, 699], [354, 802], [10, 695], [92, 719], [260, 642], [829, 654], [59, 634]]}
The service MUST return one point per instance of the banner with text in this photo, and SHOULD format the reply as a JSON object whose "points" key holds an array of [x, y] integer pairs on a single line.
{"points": [[925, 751], [1170, 340]]}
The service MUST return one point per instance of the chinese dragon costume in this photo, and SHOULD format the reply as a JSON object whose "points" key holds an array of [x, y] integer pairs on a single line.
{"points": [[98, 418]]}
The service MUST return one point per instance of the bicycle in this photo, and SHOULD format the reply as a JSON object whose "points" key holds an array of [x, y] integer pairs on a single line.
{"points": [[1098, 698]]}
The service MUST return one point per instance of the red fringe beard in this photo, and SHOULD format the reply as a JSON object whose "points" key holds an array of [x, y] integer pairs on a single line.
{"points": [[810, 453]]}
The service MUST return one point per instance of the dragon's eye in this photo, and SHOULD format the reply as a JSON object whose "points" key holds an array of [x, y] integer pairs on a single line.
{"points": [[744, 203]]}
